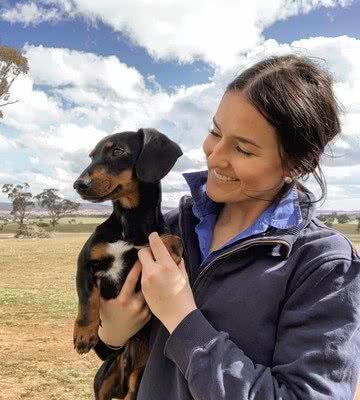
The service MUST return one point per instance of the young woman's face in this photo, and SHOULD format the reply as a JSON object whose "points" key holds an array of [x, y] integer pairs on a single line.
{"points": [[257, 166]]}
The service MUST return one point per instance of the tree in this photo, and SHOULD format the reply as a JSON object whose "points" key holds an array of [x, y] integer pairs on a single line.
{"points": [[3, 223], [343, 218], [20, 199], [55, 205], [328, 219], [12, 64], [323, 217]]}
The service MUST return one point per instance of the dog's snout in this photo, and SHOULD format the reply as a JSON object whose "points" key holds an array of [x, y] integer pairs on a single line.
{"points": [[81, 185]]}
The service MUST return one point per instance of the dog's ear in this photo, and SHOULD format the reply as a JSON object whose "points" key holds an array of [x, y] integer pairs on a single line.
{"points": [[157, 156]]}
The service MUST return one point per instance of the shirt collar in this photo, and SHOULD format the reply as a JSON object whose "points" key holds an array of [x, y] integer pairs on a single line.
{"points": [[282, 214]]}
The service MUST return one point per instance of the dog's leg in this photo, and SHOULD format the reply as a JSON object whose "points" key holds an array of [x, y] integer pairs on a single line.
{"points": [[138, 352], [87, 323], [88, 319], [134, 383], [112, 379], [107, 383], [119, 376]]}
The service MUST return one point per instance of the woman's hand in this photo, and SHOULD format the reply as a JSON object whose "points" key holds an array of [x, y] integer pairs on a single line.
{"points": [[165, 284], [124, 316]]}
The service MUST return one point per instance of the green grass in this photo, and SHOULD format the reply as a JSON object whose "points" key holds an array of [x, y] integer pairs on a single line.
{"points": [[38, 306]]}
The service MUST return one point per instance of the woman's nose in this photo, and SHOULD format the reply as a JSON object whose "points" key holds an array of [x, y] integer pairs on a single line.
{"points": [[218, 157]]}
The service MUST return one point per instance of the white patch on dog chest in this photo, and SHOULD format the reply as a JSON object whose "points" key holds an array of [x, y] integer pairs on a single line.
{"points": [[116, 249]]}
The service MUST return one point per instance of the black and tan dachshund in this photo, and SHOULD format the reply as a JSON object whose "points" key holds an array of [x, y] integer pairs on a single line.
{"points": [[125, 168]]}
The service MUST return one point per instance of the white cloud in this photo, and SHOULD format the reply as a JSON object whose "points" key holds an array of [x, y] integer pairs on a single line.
{"points": [[68, 138], [182, 30], [103, 74], [34, 160], [30, 14], [33, 109], [6, 143], [65, 108]]}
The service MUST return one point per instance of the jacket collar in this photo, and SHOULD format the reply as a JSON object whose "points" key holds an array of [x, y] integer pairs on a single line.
{"points": [[284, 213], [200, 204]]}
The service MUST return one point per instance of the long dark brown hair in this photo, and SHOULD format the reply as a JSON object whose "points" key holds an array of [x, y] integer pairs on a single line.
{"points": [[296, 97]]}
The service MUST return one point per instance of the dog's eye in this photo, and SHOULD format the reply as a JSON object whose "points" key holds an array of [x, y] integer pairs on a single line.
{"points": [[117, 152], [95, 263]]}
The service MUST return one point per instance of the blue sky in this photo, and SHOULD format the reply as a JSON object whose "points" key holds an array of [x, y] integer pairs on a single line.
{"points": [[101, 39], [178, 73], [320, 22]]}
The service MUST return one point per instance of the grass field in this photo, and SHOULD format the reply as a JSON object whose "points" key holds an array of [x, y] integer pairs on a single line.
{"points": [[81, 224], [38, 305]]}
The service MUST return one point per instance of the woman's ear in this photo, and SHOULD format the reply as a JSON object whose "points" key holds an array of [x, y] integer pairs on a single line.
{"points": [[158, 155], [289, 167]]}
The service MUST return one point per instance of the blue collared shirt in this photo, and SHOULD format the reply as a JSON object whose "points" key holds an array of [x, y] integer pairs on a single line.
{"points": [[282, 214]]}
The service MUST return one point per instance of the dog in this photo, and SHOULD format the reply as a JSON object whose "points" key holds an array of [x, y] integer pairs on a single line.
{"points": [[126, 168]]}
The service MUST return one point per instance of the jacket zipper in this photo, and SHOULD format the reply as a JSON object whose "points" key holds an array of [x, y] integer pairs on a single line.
{"points": [[181, 209], [242, 246]]}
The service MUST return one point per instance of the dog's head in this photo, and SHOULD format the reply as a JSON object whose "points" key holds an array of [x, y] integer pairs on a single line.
{"points": [[121, 160]]}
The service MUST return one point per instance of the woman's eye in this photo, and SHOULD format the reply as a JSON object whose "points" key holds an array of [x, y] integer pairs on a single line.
{"points": [[237, 148], [243, 152], [213, 132], [117, 152]]}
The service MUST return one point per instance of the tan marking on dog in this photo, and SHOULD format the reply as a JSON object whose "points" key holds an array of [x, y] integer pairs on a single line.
{"points": [[109, 384], [138, 355], [174, 245], [90, 311], [108, 144], [134, 381], [104, 183], [98, 173], [87, 334], [129, 195], [135, 357], [115, 250], [101, 182], [98, 251], [95, 306], [131, 199]]}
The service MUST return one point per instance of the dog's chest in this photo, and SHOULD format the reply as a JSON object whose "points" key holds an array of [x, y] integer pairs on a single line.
{"points": [[114, 259]]}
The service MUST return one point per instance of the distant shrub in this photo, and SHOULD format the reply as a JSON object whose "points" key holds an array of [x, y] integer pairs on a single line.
{"points": [[27, 231], [43, 224]]}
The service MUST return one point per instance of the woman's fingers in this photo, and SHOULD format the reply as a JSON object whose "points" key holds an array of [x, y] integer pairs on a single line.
{"points": [[158, 249], [128, 289], [127, 296]]}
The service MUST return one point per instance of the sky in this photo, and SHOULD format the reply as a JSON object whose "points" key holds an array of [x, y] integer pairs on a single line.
{"points": [[98, 68]]}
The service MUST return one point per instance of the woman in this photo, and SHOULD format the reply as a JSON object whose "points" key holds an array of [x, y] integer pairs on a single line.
{"points": [[268, 306]]}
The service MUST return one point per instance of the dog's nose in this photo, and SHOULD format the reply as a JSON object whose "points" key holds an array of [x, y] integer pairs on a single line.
{"points": [[81, 185]]}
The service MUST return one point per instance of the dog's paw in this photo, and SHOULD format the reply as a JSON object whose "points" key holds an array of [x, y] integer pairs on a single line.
{"points": [[174, 245], [85, 337]]}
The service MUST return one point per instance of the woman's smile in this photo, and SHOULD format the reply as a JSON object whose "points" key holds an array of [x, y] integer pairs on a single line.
{"points": [[222, 178]]}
